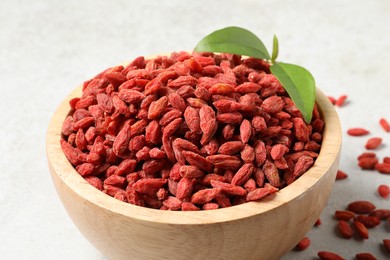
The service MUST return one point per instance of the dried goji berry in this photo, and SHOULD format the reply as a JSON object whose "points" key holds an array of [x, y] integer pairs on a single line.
{"points": [[373, 143], [365, 256], [341, 100], [345, 229], [340, 175], [260, 193], [326, 255], [361, 229], [368, 221], [163, 130], [357, 131], [384, 191], [386, 244], [361, 207], [303, 244], [383, 168], [385, 124]]}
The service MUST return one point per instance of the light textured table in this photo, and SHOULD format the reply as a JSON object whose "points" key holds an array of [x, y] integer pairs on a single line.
{"points": [[47, 48]]}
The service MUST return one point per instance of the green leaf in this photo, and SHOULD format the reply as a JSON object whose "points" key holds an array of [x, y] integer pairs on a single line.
{"points": [[234, 40], [275, 49], [296, 80], [299, 84]]}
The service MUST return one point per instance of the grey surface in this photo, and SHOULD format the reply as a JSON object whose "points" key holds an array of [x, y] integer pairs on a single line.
{"points": [[47, 48]]}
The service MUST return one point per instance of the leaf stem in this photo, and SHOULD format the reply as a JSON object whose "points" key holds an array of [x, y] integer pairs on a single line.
{"points": [[275, 49]]}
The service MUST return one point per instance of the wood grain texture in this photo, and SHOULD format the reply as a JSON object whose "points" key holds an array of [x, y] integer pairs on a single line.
{"points": [[256, 230]]}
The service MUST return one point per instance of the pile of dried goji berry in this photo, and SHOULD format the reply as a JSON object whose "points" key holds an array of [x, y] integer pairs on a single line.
{"points": [[189, 132]]}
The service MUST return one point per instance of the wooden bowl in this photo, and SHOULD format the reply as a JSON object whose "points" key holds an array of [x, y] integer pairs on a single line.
{"points": [[256, 230]]}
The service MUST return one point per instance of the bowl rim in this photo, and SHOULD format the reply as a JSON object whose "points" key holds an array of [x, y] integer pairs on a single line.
{"points": [[60, 166]]}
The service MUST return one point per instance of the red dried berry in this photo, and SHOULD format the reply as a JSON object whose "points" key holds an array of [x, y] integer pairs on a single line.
{"points": [[344, 215], [161, 132], [384, 191], [385, 124], [326, 255], [386, 245], [381, 213], [365, 256], [383, 168], [341, 100], [345, 229], [361, 229], [368, 163], [368, 221], [340, 175], [373, 143], [318, 222], [366, 155], [332, 100], [357, 131], [303, 244], [361, 207]]}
